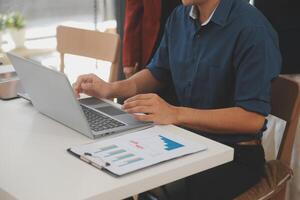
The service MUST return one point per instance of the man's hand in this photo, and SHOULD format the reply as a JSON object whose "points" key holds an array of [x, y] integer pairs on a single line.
{"points": [[128, 72], [92, 85], [155, 109]]}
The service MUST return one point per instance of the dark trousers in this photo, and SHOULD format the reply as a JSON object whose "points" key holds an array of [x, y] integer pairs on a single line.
{"points": [[220, 183]]}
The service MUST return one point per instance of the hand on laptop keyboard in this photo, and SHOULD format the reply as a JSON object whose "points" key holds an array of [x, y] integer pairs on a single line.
{"points": [[92, 85]]}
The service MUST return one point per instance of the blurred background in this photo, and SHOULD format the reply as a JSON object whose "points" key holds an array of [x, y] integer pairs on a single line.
{"points": [[38, 22], [42, 17]]}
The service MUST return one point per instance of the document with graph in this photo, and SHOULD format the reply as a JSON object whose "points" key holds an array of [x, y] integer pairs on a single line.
{"points": [[133, 151]]}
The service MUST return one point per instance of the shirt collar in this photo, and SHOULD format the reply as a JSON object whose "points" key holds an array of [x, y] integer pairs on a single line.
{"points": [[218, 16], [194, 14]]}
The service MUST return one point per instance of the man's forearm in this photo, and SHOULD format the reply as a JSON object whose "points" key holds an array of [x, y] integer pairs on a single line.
{"points": [[227, 120], [141, 82]]}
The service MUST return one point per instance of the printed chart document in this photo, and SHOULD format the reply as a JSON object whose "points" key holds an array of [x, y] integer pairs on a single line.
{"points": [[134, 151]]}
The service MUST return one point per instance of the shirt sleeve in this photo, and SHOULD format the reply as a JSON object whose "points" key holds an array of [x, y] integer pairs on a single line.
{"points": [[160, 65], [257, 61]]}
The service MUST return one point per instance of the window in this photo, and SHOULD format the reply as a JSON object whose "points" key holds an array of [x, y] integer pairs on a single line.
{"points": [[43, 16]]}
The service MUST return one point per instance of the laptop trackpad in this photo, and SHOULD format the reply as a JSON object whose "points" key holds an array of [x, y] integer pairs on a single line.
{"points": [[110, 110], [91, 101]]}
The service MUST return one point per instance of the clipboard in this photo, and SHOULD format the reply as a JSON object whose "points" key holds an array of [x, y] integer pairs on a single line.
{"points": [[85, 159], [135, 151]]}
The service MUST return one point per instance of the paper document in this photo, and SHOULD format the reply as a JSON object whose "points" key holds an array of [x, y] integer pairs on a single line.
{"points": [[133, 151]]}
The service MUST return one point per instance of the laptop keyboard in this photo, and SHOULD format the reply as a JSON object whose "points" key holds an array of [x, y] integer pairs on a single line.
{"points": [[98, 121]]}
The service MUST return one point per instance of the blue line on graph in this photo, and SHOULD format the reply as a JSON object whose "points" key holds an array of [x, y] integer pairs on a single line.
{"points": [[170, 144]]}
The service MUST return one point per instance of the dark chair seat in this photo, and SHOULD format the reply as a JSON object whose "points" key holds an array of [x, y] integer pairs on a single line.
{"points": [[277, 174]]}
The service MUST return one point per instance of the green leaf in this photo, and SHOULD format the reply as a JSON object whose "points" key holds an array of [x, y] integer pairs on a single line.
{"points": [[15, 20]]}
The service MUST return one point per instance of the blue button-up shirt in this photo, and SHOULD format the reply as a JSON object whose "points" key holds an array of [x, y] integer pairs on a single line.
{"points": [[228, 62]]}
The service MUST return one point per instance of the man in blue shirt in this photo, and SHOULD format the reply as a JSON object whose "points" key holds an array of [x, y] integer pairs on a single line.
{"points": [[221, 56]]}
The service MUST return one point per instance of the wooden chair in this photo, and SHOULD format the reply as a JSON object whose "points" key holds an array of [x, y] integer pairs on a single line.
{"points": [[285, 105], [93, 44]]}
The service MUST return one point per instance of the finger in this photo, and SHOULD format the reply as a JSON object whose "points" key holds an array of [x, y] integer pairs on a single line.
{"points": [[87, 78], [86, 87], [75, 86], [84, 78], [128, 105], [77, 95], [140, 109], [146, 118], [76, 90], [140, 97]]}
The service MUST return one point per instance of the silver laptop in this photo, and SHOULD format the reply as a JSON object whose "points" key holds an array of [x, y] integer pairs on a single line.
{"points": [[51, 94]]}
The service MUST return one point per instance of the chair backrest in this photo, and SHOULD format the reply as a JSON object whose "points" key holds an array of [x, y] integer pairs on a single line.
{"points": [[93, 44], [285, 105]]}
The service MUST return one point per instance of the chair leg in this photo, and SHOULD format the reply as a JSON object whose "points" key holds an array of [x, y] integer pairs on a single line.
{"points": [[62, 62]]}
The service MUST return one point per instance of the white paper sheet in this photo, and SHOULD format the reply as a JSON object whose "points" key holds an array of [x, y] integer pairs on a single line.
{"points": [[138, 150]]}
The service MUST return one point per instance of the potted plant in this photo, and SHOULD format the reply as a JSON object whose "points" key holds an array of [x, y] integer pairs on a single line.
{"points": [[2, 28], [15, 23]]}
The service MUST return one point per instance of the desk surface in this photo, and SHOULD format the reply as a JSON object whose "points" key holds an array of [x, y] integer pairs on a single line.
{"points": [[34, 163]]}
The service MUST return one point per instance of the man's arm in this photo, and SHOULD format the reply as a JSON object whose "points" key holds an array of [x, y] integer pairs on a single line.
{"points": [[142, 82], [227, 120]]}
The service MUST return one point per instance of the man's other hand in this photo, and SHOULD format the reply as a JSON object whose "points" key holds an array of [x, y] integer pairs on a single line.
{"points": [[128, 72], [154, 107]]}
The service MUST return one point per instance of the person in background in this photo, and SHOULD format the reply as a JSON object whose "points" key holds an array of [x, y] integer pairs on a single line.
{"points": [[144, 26], [284, 15]]}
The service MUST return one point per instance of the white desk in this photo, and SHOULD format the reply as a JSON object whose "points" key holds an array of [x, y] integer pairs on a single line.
{"points": [[34, 163]]}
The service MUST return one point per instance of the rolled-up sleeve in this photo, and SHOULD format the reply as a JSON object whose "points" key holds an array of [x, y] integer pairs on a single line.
{"points": [[159, 65], [257, 62]]}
